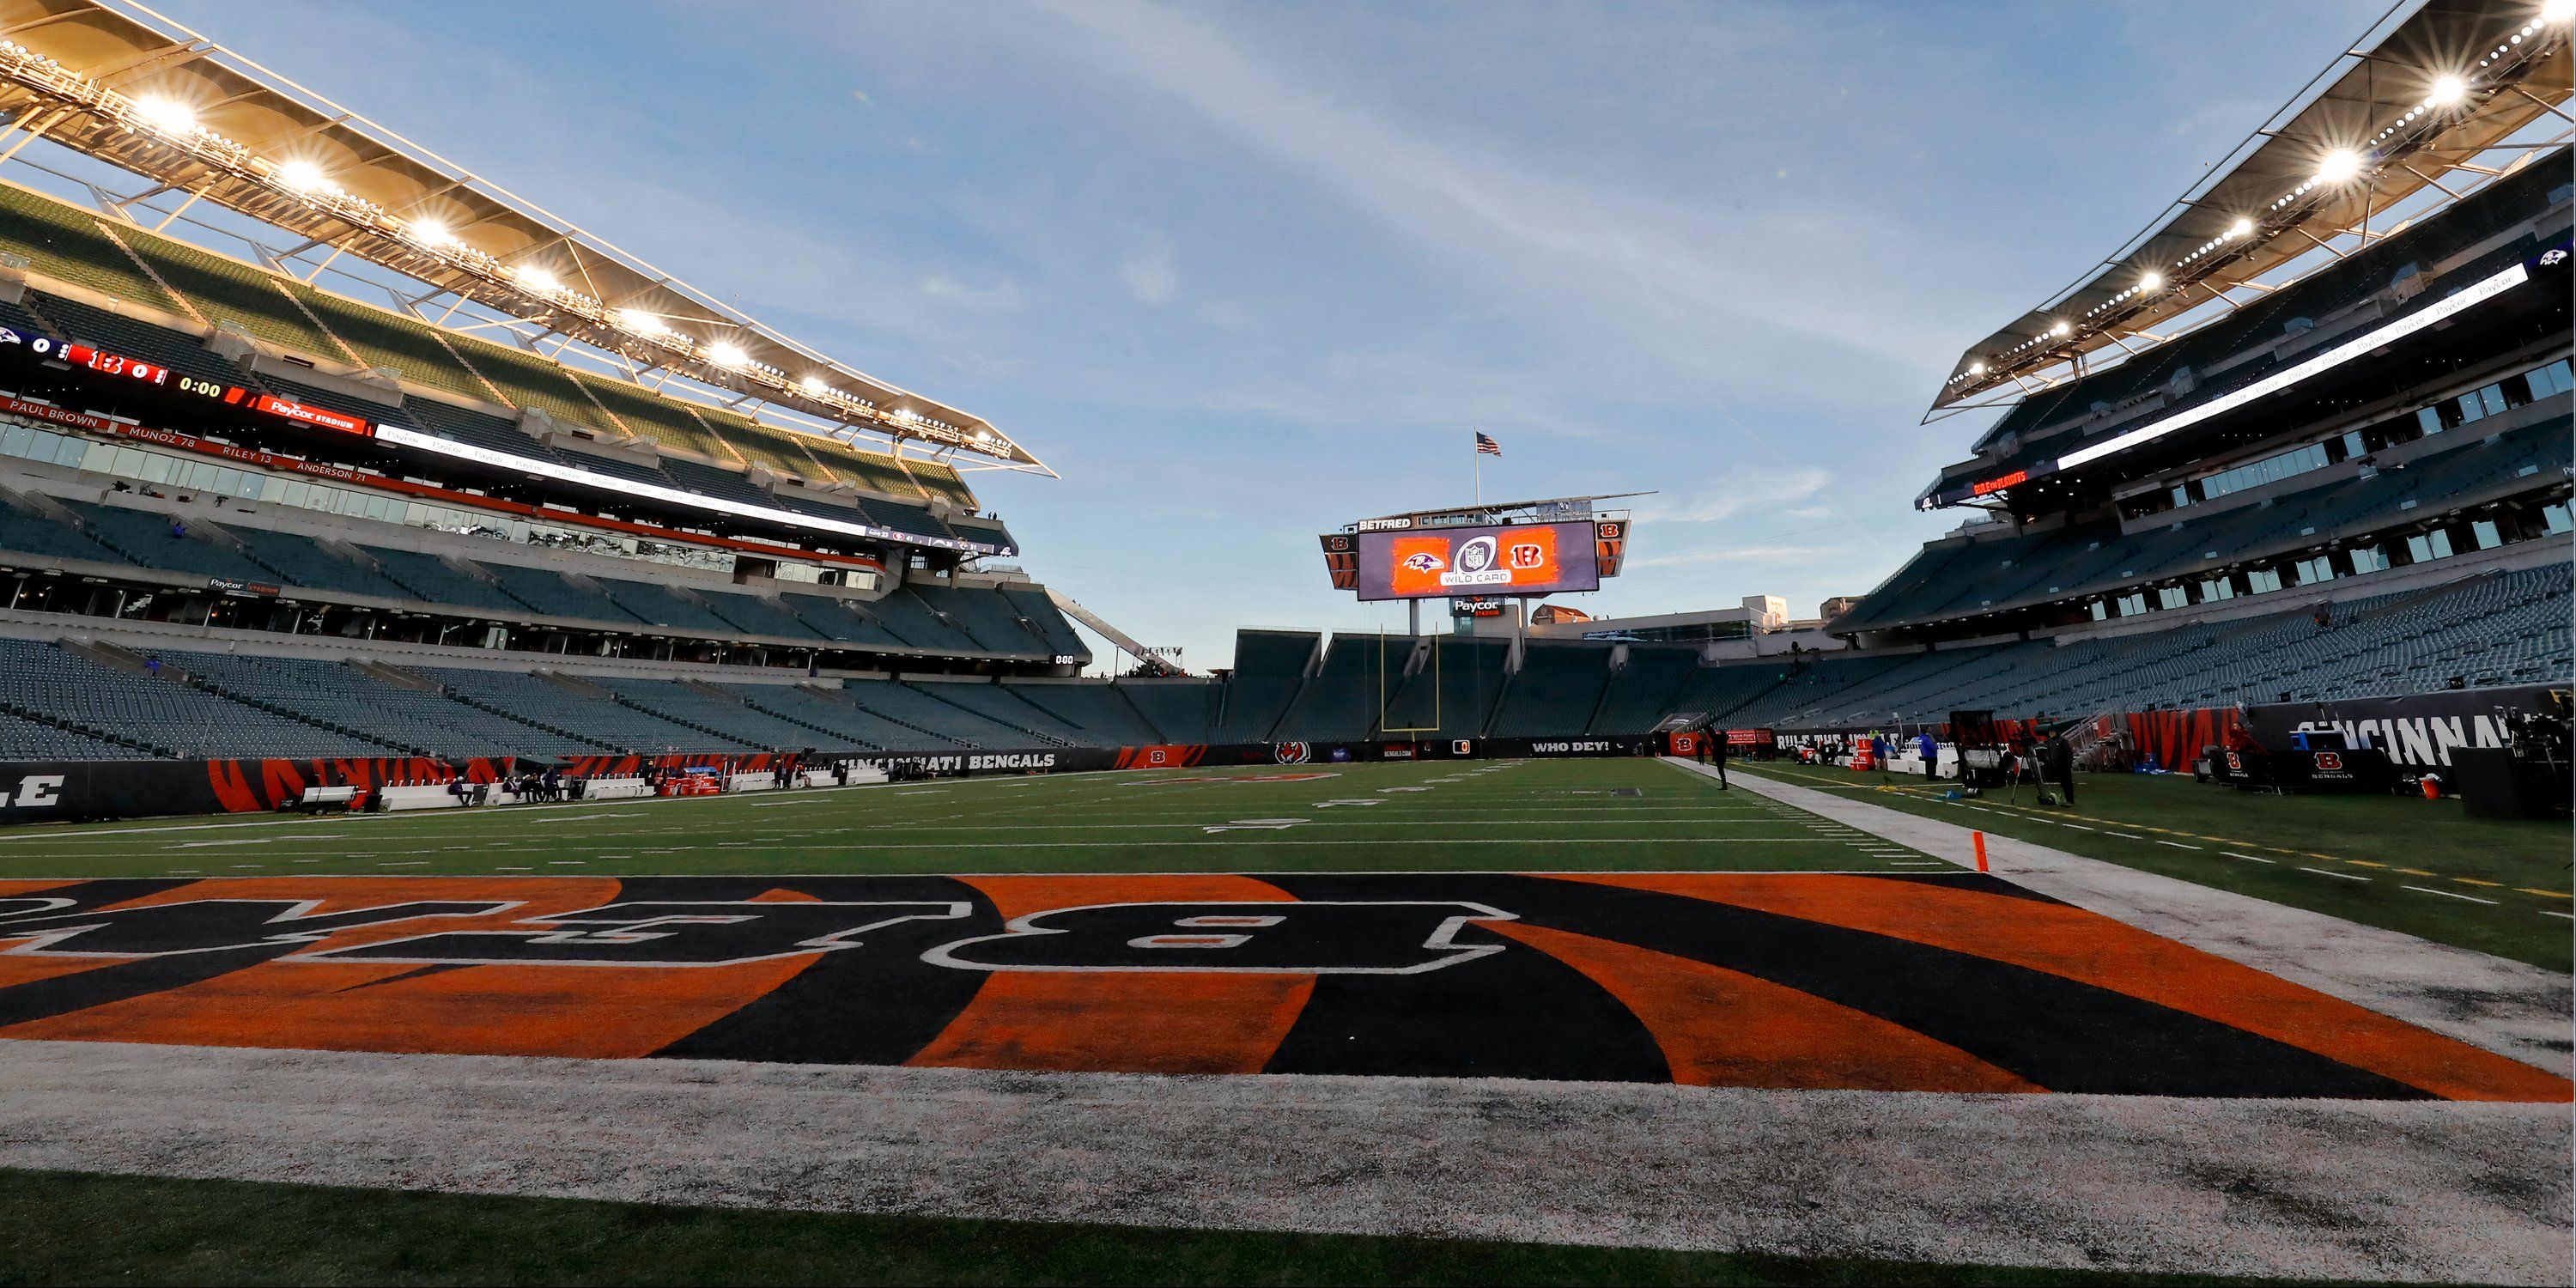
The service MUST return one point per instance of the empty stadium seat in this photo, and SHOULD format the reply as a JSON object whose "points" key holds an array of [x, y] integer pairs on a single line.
{"points": [[26, 532], [1639, 694], [952, 723], [431, 580], [1100, 714], [172, 543], [1269, 671], [730, 712], [600, 720], [1555, 691], [1343, 701], [41, 681], [1454, 694], [1179, 710]]}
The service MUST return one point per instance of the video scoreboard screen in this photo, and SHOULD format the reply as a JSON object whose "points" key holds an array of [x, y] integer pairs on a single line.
{"points": [[55, 348], [1436, 563]]}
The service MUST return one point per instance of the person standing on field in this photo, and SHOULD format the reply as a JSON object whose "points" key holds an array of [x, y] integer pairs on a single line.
{"points": [[1716, 757], [2057, 763], [1929, 748]]}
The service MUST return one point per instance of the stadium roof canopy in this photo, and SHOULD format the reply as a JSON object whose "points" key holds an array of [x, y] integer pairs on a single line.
{"points": [[2444, 99], [145, 94]]}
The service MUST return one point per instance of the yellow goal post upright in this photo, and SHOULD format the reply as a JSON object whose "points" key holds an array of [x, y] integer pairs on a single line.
{"points": [[1384, 698]]}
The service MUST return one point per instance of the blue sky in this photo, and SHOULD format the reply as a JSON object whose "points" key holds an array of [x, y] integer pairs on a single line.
{"points": [[1245, 273]]}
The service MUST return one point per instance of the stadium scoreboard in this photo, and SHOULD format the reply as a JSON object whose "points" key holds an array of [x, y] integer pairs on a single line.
{"points": [[1521, 550]]}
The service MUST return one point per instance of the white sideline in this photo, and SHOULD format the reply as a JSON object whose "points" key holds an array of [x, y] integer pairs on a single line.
{"points": [[2508, 1007]]}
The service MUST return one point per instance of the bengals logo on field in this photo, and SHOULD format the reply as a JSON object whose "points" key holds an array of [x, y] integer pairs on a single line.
{"points": [[1292, 753]]}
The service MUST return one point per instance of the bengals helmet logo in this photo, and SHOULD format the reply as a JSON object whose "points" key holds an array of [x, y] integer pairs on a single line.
{"points": [[2329, 760], [1424, 561], [1292, 753]]}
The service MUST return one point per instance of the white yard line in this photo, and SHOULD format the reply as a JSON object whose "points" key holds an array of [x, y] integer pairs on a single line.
{"points": [[2450, 894]]}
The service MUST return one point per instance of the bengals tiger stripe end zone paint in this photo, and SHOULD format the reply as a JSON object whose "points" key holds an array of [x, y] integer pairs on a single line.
{"points": [[1895, 982]]}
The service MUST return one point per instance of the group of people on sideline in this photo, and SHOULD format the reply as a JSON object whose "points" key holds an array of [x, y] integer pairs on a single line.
{"points": [[2051, 756]]}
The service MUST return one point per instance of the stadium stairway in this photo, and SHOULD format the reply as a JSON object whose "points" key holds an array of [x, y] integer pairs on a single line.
{"points": [[110, 694], [1635, 697], [1341, 703], [26, 528], [1099, 715], [831, 710], [578, 709], [434, 580], [324, 695], [948, 727], [1452, 692], [1269, 678], [724, 714], [172, 543], [1180, 711], [988, 702], [1557, 692]]}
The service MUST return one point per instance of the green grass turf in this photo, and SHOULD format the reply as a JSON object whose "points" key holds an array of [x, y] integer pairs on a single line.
{"points": [[2386, 854], [1489, 816], [79, 1228]]}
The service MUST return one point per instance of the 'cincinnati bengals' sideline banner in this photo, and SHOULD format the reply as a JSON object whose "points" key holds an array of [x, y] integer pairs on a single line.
{"points": [[1951, 982]]}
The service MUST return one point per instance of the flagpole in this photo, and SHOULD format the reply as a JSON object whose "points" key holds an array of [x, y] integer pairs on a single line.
{"points": [[1479, 453]]}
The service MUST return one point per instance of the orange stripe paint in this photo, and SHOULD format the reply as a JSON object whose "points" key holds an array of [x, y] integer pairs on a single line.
{"points": [[2084, 946], [10, 888], [16, 970], [598, 1011], [1121, 1021], [1724, 1028]]}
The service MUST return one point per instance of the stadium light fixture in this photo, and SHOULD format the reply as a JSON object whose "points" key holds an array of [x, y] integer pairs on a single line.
{"points": [[2241, 228], [814, 385], [2339, 166], [2059, 329], [2558, 11], [639, 322], [430, 232], [303, 176], [2151, 280], [2446, 91], [728, 354], [168, 115], [535, 278]]}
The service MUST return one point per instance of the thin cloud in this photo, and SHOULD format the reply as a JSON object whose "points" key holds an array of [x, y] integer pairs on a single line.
{"points": [[1750, 559], [981, 299], [1741, 492], [1644, 277], [1150, 278]]}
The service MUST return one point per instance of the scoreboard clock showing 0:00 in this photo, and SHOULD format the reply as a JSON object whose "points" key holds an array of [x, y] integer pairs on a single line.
{"points": [[1522, 559]]}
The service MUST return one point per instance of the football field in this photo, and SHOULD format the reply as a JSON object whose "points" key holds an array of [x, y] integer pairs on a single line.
{"points": [[1264, 999], [1434, 816]]}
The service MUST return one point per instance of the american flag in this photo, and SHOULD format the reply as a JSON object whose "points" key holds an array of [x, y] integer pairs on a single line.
{"points": [[1485, 445]]}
